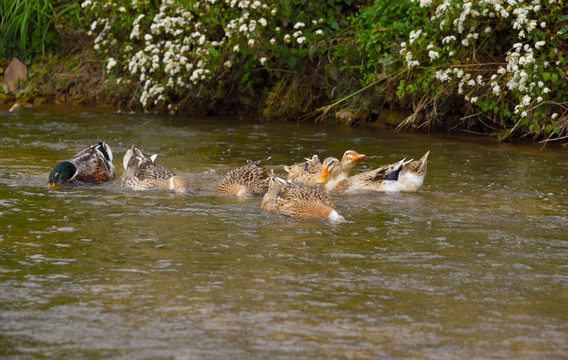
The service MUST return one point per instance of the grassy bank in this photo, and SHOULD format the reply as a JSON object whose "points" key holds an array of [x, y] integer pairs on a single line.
{"points": [[481, 66]]}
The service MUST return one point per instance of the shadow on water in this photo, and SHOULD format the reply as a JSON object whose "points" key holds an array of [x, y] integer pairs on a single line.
{"points": [[473, 265]]}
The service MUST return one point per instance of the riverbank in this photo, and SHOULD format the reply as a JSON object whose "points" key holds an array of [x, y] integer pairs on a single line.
{"points": [[350, 63]]}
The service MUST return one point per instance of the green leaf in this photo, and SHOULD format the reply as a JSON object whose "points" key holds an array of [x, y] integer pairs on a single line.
{"points": [[545, 76], [312, 52], [292, 61]]}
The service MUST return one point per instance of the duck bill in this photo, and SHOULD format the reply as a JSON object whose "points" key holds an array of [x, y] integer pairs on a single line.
{"points": [[53, 186], [358, 158], [323, 175]]}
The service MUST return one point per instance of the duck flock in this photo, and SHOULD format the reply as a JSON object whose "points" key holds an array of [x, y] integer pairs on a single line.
{"points": [[304, 194]]}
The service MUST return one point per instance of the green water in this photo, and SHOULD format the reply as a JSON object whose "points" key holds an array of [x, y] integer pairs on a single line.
{"points": [[471, 266]]}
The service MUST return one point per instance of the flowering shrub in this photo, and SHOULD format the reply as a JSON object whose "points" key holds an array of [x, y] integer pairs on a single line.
{"points": [[498, 64], [504, 58], [210, 50]]}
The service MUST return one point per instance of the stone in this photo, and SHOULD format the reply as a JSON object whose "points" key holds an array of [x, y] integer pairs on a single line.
{"points": [[15, 74]]}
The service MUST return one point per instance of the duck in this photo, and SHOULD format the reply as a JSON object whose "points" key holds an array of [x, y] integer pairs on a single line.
{"points": [[92, 165], [385, 179], [308, 172], [141, 173], [298, 201], [247, 180], [304, 172]]}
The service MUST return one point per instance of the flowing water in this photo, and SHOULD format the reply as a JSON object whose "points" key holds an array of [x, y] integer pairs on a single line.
{"points": [[473, 265]]}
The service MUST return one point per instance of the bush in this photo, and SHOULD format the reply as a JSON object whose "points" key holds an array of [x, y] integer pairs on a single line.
{"points": [[505, 59], [210, 51]]}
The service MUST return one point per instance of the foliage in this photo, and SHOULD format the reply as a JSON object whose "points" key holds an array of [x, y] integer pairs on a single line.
{"points": [[28, 26], [504, 59], [213, 50]]}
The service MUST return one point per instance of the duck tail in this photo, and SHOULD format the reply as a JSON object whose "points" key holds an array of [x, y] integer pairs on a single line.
{"points": [[105, 150], [335, 217]]}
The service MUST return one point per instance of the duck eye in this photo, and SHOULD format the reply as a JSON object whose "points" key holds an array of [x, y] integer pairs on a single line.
{"points": [[57, 176]]}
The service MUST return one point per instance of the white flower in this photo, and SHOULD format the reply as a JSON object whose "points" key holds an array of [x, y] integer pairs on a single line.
{"points": [[272, 41], [236, 48], [251, 42], [447, 39], [111, 63], [433, 54], [262, 61], [414, 35], [287, 38], [554, 116], [299, 25], [228, 64], [473, 100], [319, 32], [85, 4], [300, 40], [262, 21], [147, 37], [539, 44]]}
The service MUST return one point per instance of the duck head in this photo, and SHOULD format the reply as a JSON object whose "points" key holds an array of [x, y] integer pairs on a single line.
{"points": [[61, 174], [350, 159]]}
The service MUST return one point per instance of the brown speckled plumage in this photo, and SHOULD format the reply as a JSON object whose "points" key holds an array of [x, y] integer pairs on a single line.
{"points": [[141, 173], [305, 172], [298, 201], [250, 179]]}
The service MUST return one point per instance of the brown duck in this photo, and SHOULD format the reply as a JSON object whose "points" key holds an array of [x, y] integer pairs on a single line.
{"points": [[250, 179]]}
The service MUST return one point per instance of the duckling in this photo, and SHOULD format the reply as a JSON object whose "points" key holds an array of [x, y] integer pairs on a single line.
{"points": [[92, 165], [298, 201], [381, 179], [250, 179], [308, 172], [141, 173]]}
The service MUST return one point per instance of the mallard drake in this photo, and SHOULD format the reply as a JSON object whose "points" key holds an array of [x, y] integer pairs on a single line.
{"points": [[298, 201], [250, 179], [308, 172], [141, 173], [381, 179], [92, 165]]}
